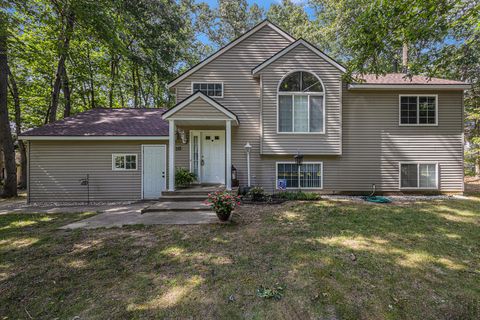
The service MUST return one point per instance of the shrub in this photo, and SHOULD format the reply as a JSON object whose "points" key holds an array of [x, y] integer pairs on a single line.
{"points": [[300, 195], [256, 194], [183, 177], [222, 202]]}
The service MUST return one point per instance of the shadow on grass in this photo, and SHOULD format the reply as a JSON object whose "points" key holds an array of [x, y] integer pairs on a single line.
{"points": [[336, 260]]}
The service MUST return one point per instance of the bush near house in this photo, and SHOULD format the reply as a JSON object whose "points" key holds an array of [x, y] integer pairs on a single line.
{"points": [[299, 195], [183, 177]]}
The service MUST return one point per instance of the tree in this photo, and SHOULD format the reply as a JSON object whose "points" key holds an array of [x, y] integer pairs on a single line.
{"points": [[13, 88], [10, 185], [376, 34], [294, 19], [460, 59], [230, 20]]}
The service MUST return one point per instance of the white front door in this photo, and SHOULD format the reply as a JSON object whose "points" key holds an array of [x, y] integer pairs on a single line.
{"points": [[154, 162], [212, 161]]}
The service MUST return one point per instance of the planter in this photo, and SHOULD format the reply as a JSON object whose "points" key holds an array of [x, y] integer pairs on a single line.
{"points": [[223, 215]]}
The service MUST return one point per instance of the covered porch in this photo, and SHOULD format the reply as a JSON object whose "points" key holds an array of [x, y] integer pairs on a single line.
{"points": [[200, 140]]}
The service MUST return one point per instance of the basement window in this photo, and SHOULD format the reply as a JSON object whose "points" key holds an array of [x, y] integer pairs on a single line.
{"points": [[308, 175], [124, 162], [418, 175]]}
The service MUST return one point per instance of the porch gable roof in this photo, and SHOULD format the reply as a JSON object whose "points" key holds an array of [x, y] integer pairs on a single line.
{"points": [[217, 107]]}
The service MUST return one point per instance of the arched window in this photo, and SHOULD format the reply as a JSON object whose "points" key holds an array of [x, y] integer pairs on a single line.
{"points": [[301, 104]]}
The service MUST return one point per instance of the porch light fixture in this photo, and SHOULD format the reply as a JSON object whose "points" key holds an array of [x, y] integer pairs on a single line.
{"points": [[182, 135], [248, 148]]}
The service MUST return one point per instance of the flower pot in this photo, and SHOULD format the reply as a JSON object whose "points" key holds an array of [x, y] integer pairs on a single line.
{"points": [[223, 215]]}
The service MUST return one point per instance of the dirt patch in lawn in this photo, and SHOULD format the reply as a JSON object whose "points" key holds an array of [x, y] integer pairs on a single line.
{"points": [[332, 259], [472, 185]]}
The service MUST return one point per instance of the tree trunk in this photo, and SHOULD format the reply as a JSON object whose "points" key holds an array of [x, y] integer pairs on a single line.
{"points": [[140, 87], [92, 86], [405, 58], [477, 159], [22, 184], [135, 90], [10, 186], [66, 94], [52, 116], [112, 80]]}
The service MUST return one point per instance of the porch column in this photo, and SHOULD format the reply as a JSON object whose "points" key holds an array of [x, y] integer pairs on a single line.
{"points": [[228, 134], [171, 155]]}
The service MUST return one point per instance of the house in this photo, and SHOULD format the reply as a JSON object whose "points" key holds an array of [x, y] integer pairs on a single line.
{"points": [[279, 95]]}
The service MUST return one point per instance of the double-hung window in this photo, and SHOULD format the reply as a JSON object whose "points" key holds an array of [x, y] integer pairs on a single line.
{"points": [[418, 175], [211, 89], [418, 110], [301, 106], [293, 176], [124, 162]]}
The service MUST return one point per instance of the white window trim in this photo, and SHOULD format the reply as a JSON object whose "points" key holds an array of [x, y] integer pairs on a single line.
{"points": [[304, 162], [208, 82], [418, 110], [293, 93], [418, 175], [124, 155]]}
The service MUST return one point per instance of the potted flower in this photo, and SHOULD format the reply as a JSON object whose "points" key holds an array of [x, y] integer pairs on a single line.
{"points": [[223, 204]]}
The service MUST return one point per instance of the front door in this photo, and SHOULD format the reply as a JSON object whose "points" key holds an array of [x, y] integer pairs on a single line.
{"points": [[154, 163], [212, 160]]}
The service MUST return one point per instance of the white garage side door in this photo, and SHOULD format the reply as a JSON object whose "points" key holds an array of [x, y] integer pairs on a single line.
{"points": [[154, 168]]}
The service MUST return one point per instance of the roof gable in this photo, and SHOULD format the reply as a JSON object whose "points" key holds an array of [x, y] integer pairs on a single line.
{"points": [[294, 45], [199, 95], [228, 47]]}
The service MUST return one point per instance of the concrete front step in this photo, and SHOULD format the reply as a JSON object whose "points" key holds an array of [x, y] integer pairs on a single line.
{"points": [[182, 198], [186, 193], [177, 206]]}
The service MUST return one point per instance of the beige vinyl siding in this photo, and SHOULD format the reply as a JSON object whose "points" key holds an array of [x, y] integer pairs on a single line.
{"points": [[56, 167], [199, 108], [363, 143], [301, 58], [241, 92], [374, 144]]}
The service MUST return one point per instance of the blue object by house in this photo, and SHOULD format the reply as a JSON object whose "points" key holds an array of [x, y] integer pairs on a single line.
{"points": [[377, 199]]}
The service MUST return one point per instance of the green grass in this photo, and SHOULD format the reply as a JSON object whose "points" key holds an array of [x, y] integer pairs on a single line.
{"points": [[332, 259]]}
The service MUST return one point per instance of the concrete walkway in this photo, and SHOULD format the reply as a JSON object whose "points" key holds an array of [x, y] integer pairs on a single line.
{"points": [[115, 214], [119, 218]]}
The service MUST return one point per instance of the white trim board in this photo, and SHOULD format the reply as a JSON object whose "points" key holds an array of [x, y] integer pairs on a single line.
{"points": [[228, 47], [193, 97], [281, 53], [92, 138], [363, 86]]}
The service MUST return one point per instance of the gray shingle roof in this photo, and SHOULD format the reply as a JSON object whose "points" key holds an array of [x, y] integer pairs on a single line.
{"points": [[401, 78], [107, 122]]}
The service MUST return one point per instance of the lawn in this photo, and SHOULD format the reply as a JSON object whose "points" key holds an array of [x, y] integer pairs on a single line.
{"points": [[332, 260]]}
